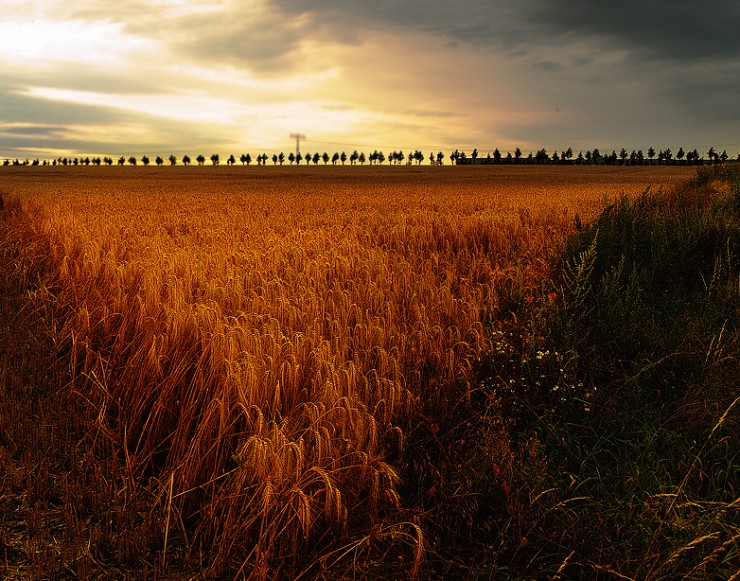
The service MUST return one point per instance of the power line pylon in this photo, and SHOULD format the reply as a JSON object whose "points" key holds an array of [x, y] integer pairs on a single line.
{"points": [[297, 137]]}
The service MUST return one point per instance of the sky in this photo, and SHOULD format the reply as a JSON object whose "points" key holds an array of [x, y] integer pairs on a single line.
{"points": [[161, 77]]}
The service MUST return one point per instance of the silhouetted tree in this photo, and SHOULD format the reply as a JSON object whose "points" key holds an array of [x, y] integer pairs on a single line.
{"points": [[231, 160], [335, 158], [440, 158], [132, 160], [281, 158], [108, 160], [243, 158], [173, 160], [651, 154], [186, 160], [298, 158], [343, 157], [159, 161], [325, 158], [291, 158], [201, 159], [215, 159], [354, 157], [316, 158], [362, 158], [518, 155]]}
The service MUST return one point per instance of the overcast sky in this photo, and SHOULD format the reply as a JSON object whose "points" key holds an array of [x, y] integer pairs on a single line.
{"points": [[233, 76]]}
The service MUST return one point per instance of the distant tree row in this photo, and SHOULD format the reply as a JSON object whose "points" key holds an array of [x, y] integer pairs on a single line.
{"points": [[590, 157], [595, 157]]}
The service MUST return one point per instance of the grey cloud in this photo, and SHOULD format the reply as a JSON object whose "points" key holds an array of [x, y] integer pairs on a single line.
{"points": [[490, 22], [266, 43], [710, 95], [267, 39], [43, 123], [663, 29], [236, 33], [33, 130], [22, 108], [676, 30]]}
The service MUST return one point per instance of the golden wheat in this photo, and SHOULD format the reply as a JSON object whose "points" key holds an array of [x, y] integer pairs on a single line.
{"points": [[260, 342]]}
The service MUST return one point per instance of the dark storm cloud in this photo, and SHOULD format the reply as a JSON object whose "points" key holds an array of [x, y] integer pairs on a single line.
{"points": [[674, 30], [665, 29], [630, 67]]}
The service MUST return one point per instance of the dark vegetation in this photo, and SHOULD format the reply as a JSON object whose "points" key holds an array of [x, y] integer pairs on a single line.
{"points": [[609, 446], [457, 157], [600, 442]]}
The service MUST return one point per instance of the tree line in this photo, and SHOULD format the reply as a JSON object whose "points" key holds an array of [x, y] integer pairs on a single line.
{"points": [[456, 157], [595, 157]]}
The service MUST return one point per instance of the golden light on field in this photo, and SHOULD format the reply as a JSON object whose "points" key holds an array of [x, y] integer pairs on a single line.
{"points": [[262, 339]]}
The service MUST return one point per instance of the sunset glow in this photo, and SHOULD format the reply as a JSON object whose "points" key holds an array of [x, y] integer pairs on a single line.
{"points": [[236, 76]]}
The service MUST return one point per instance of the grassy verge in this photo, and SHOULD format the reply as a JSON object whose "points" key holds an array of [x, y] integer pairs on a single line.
{"points": [[620, 385]]}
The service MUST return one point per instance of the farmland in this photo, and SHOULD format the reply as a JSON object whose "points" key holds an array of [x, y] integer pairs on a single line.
{"points": [[266, 372]]}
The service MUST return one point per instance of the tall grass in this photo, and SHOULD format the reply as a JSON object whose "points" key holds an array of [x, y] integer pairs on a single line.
{"points": [[628, 381]]}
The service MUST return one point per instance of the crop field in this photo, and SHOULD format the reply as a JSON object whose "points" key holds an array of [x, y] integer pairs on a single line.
{"points": [[262, 369]]}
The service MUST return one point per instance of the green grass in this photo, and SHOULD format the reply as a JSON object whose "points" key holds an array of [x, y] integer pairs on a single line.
{"points": [[624, 375]]}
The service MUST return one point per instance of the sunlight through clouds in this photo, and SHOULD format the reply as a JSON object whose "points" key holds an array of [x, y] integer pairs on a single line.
{"points": [[40, 43], [483, 73]]}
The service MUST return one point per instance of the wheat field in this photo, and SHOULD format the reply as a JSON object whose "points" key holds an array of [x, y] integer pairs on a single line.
{"points": [[261, 342]]}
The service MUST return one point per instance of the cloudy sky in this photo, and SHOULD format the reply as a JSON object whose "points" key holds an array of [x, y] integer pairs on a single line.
{"points": [[231, 76]]}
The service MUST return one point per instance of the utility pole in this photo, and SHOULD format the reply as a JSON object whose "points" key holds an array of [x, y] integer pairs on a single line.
{"points": [[297, 137]]}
